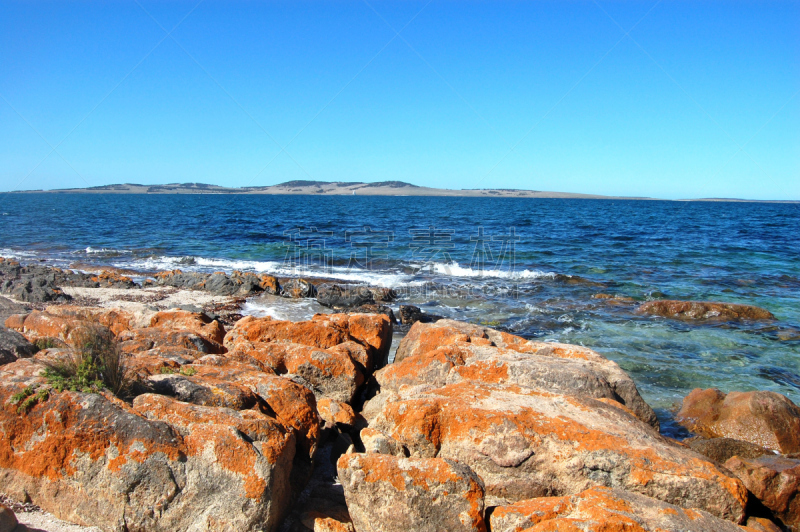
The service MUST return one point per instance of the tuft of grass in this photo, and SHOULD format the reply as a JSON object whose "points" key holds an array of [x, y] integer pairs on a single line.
{"points": [[188, 371], [166, 370], [95, 363], [46, 343]]}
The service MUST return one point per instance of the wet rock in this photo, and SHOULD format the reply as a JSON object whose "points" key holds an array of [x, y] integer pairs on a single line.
{"points": [[219, 283], [766, 419], [8, 521], [704, 310], [449, 351], [604, 510], [409, 315], [196, 322], [13, 346], [386, 494], [576, 280], [91, 459], [775, 482], [298, 288], [343, 296], [721, 449]]}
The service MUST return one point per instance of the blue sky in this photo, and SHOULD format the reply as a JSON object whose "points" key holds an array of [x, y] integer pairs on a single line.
{"points": [[699, 99]]}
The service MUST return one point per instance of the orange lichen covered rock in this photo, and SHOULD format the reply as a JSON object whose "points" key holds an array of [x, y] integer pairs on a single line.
{"points": [[767, 419], [387, 494], [294, 406], [91, 459], [604, 510], [704, 310], [334, 412], [140, 340], [775, 482], [449, 351], [330, 372], [196, 322], [373, 332], [527, 442]]}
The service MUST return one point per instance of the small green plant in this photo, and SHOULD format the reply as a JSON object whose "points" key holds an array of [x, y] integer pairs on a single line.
{"points": [[94, 364], [166, 370], [28, 398], [490, 323], [188, 371]]}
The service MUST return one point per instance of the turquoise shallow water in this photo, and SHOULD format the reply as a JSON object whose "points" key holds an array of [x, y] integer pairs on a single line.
{"points": [[735, 252]]}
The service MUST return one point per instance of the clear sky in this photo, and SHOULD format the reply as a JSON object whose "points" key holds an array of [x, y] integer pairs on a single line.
{"points": [[667, 99]]}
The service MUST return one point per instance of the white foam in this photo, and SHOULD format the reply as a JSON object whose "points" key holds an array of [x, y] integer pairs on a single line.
{"points": [[372, 277], [283, 309], [453, 269]]}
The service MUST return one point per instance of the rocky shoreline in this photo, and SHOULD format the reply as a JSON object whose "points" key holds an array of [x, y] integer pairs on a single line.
{"points": [[230, 422]]}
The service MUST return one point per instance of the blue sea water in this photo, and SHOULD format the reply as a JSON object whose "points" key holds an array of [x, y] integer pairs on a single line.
{"points": [[530, 266]]}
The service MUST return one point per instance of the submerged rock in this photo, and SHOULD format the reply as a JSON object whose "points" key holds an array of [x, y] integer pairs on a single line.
{"points": [[767, 419], [704, 310], [391, 494], [604, 510], [722, 449]]}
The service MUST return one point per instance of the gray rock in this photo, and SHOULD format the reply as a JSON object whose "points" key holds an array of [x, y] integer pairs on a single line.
{"points": [[13, 346], [343, 296]]}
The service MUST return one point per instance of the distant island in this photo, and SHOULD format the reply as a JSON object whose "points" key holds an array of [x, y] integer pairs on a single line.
{"points": [[351, 188]]}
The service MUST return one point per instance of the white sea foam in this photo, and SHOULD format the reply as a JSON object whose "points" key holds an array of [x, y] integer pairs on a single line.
{"points": [[453, 269], [386, 278], [283, 309], [102, 251]]}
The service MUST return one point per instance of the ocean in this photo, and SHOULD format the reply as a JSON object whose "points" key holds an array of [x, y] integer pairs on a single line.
{"points": [[528, 266]]}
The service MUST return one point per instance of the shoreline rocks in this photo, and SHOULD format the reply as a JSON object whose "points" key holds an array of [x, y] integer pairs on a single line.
{"points": [[225, 428]]}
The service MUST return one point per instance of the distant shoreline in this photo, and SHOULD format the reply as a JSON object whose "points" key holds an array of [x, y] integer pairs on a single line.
{"points": [[386, 188]]}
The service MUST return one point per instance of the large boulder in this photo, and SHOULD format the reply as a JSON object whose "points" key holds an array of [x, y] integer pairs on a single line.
{"points": [[147, 339], [775, 482], [704, 310], [390, 494], [527, 442], [604, 510], [93, 460], [767, 419], [448, 351]]}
